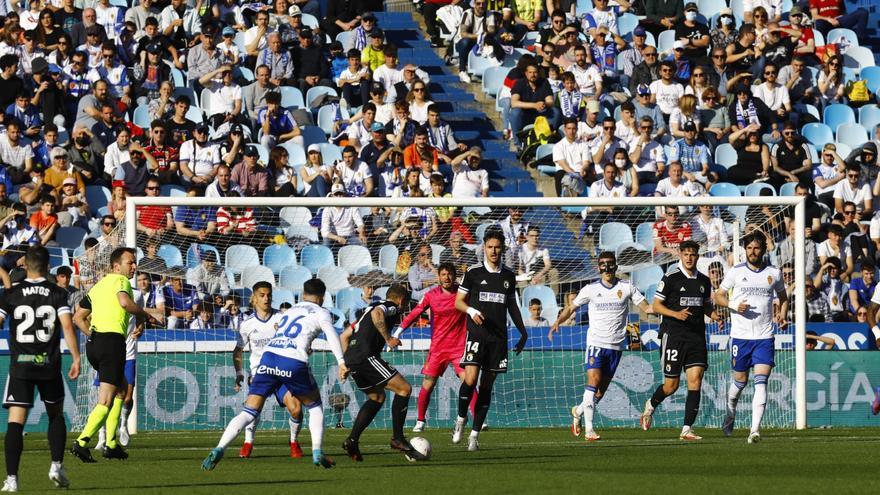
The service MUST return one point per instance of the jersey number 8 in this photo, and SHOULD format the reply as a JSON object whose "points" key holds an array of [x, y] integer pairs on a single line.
{"points": [[25, 332]]}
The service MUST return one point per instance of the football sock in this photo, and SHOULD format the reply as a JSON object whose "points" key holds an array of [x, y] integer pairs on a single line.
{"points": [[296, 425], [691, 407], [465, 394], [422, 403], [759, 401], [365, 416], [113, 422], [244, 418], [96, 420], [588, 405], [658, 397], [316, 424], [250, 429], [399, 406], [126, 411], [13, 446], [473, 406], [482, 410], [733, 392], [57, 436]]}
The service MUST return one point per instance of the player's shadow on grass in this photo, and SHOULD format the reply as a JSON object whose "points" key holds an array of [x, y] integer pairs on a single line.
{"points": [[216, 484]]}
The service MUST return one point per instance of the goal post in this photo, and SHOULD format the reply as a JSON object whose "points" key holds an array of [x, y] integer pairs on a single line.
{"points": [[542, 385]]}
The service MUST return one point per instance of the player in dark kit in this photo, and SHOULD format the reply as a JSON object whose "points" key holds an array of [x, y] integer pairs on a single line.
{"points": [[39, 313], [683, 299], [362, 344], [487, 294]]}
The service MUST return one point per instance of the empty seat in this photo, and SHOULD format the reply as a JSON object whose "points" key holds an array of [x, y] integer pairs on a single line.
{"points": [[354, 257], [293, 277], [315, 257], [613, 234], [241, 256], [170, 254], [646, 277], [256, 273], [334, 277], [388, 255], [279, 256], [70, 237]]}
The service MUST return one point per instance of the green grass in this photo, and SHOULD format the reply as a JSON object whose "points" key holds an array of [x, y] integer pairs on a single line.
{"points": [[511, 461]]}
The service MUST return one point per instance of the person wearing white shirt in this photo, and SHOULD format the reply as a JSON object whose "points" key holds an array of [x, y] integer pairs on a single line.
{"points": [[586, 74], [836, 246], [573, 161], [674, 187], [647, 154], [608, 187], [828, 173], [708, 230], [109, 17], [535, 260], [342, 226], [353, 174], [604, 146], [389, 75], [627, 128], [591, 127], [255, 39], [198, 158], [469, 181], [773, 94], [665, 92], [773, 8], [854, 189], [225, 102]]}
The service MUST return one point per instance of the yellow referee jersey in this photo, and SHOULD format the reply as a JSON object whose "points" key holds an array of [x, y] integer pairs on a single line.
{"points": [[107, 315]]}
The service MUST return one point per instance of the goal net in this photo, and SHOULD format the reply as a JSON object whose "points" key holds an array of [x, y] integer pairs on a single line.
{"points": [[185, 377]]}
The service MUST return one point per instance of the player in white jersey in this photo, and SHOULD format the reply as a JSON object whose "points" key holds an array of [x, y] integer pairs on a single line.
{"points": [[285, 364], [608, 301], [257, 330], [749, 290]]}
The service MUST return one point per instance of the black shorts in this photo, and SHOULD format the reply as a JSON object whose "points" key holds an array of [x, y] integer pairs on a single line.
{"points": [[19, 392], [374, 372], [106, 354], [489, 355], [677, 354]]}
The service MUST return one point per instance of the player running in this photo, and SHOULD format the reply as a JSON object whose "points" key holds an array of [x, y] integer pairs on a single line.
{"points": [[447, 335], [683, 300], [284, 366], [363, 343], [752, 287], [111, 305], [608, 301], [39, 310], [487, 294], [257, 330]]}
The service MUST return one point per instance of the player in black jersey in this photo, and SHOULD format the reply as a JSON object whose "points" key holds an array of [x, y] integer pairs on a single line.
{"points": [[487, 294], [39, 313], [683, 299], [362, 344]]}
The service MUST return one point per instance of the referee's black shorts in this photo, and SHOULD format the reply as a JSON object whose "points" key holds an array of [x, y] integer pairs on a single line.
{"points": [[677, 354], [106, 353]]}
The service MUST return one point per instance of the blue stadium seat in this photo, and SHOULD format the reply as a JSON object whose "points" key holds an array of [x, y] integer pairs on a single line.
{"points": [[326, 118], [279, 256], [244, 73], [649, 293], [70, 237], [291, 97], [813, 111], [724, 189], [312, 134], [295, 215], [852, 134], [711, 7], [859, 57], [869, 117], [788, 189], [281, 295], [818, 134], [725, 155], [347, 297], [314, 93], [293, 277], [97, 196], [613, 234], [315, 257], [141, 117], [302, 232], [296, 153], [196, 252], [256, 273], [354, 257], [330, 153], [477, 65], [388, 255], [835, 34], [645, 235], [872, 75], [626, 23], [493, 79], [665, 41], [171, 255], [755, 188], [195, 114], [543, 293], [345, 38], [334, 277], [646, 277], [241, 256], [837, 114]]}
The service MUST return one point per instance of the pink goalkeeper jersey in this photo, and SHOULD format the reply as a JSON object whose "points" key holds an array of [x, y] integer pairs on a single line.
{"points": [[448, 325]]}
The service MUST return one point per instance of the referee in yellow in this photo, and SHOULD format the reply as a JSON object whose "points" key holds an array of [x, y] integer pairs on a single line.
{"points": [[111, 304]]}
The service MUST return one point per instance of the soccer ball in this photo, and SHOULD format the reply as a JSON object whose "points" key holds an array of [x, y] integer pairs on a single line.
{"points": [[422, 445]]}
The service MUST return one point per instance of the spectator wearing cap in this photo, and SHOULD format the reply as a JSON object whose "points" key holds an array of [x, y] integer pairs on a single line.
{"points": [[231, 53], [693, 34], [135, 172], [225, 101], [800, 27], [791, 158], [645, 106], [378, 155], [633, 55], [353, 174], [223, 185], [829, 14], [316, 176], [682, 65], [277, 124], [10, 83], [309, 63], [27, 52], [172, 22], [478, 28], [359, 39], [354, 81], [233, 145], [15, 154], [254, 94], [341, 226], [47, 98], [71, 204], [116, 75], [725, 31], [693, 156], [531, 97], [338, 61], [866, 158], [204, 58], [199, 158], [279, 61], [209, 277], [373, 55], [151, 36], [44, 221], [251, 177], [149, 75]]}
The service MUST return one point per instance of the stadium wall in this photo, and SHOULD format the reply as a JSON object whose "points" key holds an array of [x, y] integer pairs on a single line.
{"points": [[839, 391]]}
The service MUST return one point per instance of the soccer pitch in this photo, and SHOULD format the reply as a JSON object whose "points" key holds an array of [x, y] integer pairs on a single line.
{"points": [[511, 461]]}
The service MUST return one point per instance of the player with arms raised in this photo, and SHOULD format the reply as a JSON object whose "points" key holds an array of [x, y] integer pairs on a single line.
{"points": [[363, 343], [752, 288], [487, 294], [257, 330], [608, 301], [448, 328], [38, 310], [285, 366], [683, 299]]}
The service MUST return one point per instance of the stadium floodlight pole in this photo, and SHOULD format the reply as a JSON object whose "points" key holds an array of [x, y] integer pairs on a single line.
{"points": [[797, 202]]}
